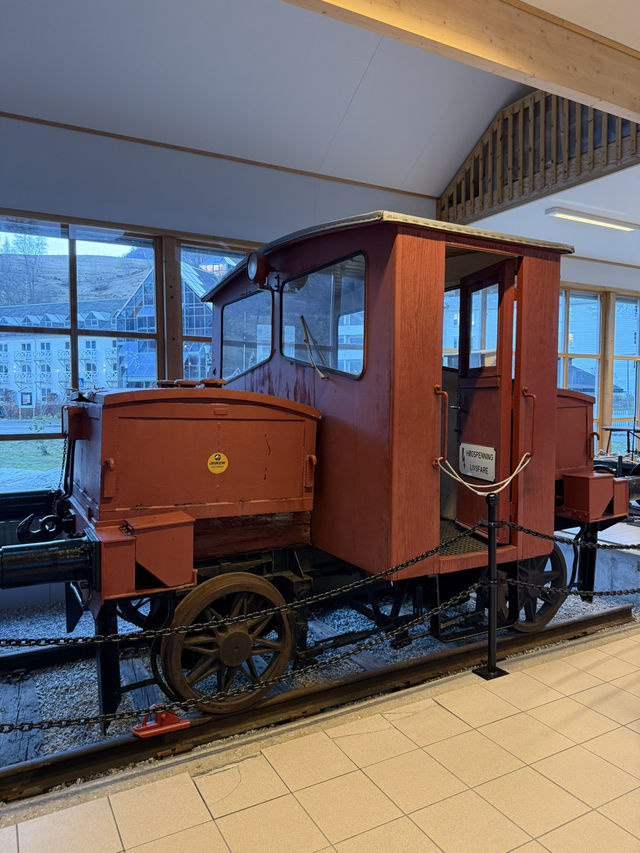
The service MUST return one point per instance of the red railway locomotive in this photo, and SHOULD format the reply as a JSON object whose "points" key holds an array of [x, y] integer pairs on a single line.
{"points": [[316, 453]]}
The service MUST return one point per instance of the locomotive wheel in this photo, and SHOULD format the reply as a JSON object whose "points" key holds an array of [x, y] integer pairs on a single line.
{"points": [[231, 657], [146, 612], [537, 608]]}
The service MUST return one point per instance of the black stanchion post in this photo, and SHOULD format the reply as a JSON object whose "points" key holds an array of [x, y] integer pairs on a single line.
{"points": [[491, 670]]}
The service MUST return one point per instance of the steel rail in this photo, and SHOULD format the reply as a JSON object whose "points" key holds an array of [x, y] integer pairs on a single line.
{"points": [[37, 776]]}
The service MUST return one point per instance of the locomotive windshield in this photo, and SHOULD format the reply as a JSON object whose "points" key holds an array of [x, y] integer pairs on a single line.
{"points": [[323, 317], [246, 333]]}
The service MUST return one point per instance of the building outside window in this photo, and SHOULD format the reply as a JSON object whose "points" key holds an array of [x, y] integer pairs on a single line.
{"points": [[579, 345], [80, 308]]}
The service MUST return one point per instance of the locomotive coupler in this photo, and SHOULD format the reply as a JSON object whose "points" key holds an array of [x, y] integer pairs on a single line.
{"points": [[62, 520]]}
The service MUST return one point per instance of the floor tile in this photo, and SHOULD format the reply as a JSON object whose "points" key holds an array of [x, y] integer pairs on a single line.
{"points": [[476, 705], [242, 785], [617, 647], [630, 655], [531, 801], [625, 811], [273, 827], [630, 683], [573, 720], [562, 677], [346, 806], [635, 725], [586, 776], [621, 747], [473, 757], [619, 705], [467, 822], [526, 738], [530, 847], [370, 740], [591, 833], [426, 722], [9, 839], [308, 760], [400, 835], [414, 780], [523, 691], [88, 826], [160, 808], [597, 663], [204, 838]]}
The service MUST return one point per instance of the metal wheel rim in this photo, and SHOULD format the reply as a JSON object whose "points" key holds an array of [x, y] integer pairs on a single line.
{"points": [[536, 609], [191, 661]]}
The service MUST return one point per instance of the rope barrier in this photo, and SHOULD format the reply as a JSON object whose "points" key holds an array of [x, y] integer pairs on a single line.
{"points": [[490, 488]]}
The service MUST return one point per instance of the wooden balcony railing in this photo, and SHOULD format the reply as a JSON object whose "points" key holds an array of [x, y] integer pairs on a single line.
{"points": [[533, 148]]}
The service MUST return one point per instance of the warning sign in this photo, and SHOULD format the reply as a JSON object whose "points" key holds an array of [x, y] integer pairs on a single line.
{"points": [[478, 461], [217, 463]]}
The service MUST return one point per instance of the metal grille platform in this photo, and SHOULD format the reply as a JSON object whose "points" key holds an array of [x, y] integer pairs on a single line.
{"points": [[468, 545]]}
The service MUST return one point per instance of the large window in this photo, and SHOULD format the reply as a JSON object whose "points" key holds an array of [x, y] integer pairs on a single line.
{"points": [[323, 317], [246, 333], [200, 270], [626, 357], [82, 308], [579, 346]]}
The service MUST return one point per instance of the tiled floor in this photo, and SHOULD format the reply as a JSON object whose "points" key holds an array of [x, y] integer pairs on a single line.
{"points": [[545, 759]]}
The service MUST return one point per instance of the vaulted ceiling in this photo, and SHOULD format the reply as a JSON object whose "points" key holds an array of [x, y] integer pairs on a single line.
{"points": [[269, 82]]}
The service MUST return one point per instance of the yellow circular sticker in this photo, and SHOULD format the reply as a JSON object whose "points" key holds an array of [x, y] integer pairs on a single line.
{"points": [[217, 463]]}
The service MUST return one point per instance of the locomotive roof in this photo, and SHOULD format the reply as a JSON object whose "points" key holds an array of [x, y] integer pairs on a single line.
{"points": [[377, 216]]}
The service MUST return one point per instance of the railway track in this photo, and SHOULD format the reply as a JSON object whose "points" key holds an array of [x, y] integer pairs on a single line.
{"points": [[30, 778]]}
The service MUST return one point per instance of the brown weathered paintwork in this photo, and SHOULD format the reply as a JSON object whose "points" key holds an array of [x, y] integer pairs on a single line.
{"points": [[142, 479], [377, 490]]}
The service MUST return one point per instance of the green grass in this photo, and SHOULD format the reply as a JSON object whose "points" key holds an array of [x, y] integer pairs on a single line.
{"points": [[38, 455]]}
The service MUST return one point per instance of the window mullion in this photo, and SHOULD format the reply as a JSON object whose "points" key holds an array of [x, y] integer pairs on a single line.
{"points": [[73, 313]]}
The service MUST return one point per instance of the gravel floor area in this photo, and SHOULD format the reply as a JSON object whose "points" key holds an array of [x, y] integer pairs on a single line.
{"points": [[71, 690]]}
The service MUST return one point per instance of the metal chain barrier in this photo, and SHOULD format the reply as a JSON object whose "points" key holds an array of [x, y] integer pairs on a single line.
{"points": [[582, 543], [289, 607], [190, 704]]}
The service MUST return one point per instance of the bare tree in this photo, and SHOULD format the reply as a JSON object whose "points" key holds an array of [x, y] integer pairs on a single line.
{"points": [[29, 248]]}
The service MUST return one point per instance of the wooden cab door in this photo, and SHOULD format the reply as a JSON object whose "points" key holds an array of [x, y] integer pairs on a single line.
{"points": [[485, 388]]}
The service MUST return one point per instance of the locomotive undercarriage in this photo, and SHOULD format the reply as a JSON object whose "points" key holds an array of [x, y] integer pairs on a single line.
{"points": [[236, 660], [255, 651]]}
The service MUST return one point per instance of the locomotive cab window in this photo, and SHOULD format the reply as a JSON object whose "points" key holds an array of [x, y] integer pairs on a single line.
{"points": [[246, 333], [323, 315], [483, 331]]}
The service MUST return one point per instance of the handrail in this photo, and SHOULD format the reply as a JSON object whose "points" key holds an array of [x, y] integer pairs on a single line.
{"points": [[443, 439], [527, 393], [535, 147]]}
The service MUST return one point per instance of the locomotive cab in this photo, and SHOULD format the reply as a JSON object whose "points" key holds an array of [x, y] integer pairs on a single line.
{"points": [[349, 318], [422, 343]]}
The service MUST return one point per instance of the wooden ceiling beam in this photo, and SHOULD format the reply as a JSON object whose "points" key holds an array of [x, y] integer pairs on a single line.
{"points": [[509, 38]]}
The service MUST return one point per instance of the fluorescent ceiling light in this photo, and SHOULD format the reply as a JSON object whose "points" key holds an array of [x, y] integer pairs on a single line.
{"points": [[591, 219]]}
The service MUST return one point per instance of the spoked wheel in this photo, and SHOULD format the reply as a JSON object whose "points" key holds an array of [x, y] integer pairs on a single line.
{"points": [[146, 612], [224, 658], [536, 607]]}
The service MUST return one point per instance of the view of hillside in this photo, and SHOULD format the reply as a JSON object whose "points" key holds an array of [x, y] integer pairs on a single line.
{"points": [[29, 279]]}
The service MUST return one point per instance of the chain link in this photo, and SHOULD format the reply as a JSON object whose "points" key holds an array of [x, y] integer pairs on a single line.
{"points": [[65, 449], [190, 704], [150, 634]]}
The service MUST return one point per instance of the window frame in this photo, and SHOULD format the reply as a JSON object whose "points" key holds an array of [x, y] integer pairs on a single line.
{"points": [[166, 266], [272, 336], [564, 353], [365, 282]]}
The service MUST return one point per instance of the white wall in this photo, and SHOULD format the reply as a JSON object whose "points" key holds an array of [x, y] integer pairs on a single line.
{"points": [[51, 170], [599, 274]]}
